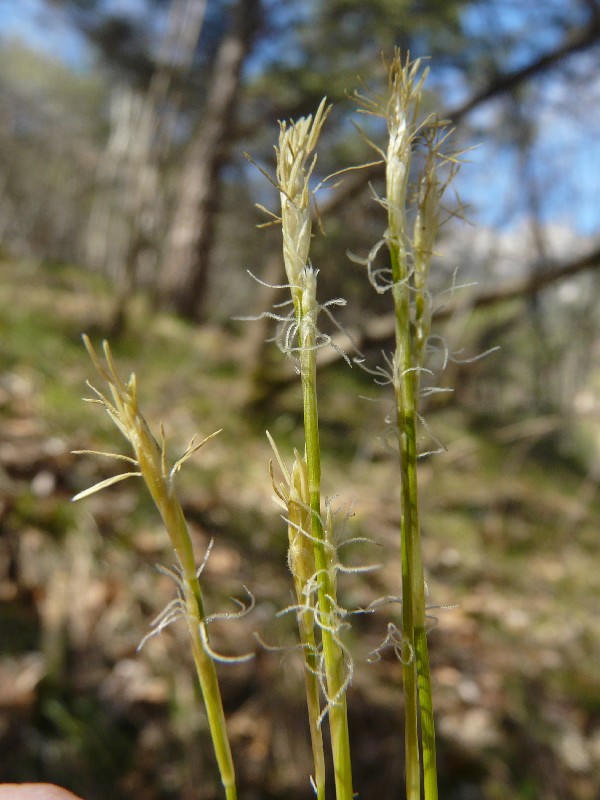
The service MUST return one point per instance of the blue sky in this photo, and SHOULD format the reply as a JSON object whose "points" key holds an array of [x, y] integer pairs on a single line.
{"points": [[568, 145], [43, 28]]}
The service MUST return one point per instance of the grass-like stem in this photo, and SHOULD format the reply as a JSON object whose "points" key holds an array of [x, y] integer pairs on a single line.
{"points": [[410, 260], [335, 668], [150, 458], [293, 496], [297, 142]]}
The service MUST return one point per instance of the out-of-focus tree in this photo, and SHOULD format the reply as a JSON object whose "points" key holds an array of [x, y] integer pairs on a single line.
{"points": [[129, 210], [164, 91], [512, 76], [187, 257], [50, 129], [505, 73]]}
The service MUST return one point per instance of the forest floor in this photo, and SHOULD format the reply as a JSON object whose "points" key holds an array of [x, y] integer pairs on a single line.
{"points": [[511, 550]]}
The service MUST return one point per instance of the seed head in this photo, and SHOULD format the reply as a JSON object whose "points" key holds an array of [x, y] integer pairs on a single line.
{"points": [[297, 141]]}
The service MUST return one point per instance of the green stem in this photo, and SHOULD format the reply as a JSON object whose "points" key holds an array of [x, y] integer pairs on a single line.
{"points": [[332, 652], [151, 459], [417, 681], [409, 544], [311, 681], [174, 519], [427, 721], [207, 675]]}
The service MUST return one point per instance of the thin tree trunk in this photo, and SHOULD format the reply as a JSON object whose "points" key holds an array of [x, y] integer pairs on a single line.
{"points": [[186, 263], [127, 213]]}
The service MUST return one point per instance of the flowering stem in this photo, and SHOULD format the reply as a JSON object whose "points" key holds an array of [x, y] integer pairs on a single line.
{"points": [[205, 666], [410, 260], [176, 526], [413, 595], [332, 653], [297, 142], [427, 722], [150, 458], [311, 684], [293, 496]]}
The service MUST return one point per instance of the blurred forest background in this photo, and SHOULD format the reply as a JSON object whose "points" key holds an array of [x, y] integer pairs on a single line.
{"points": [[127, 211]]}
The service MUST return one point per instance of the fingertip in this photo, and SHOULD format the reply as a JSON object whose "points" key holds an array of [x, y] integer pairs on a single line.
{"points": [[34, 791]]}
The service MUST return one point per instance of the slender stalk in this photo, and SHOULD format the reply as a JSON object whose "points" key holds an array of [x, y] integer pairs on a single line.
{"points": [[332, 654], [306, 625], [150, 458], [293, 496], [311, 685], [297, 142], [407, 278], [413, 600], [410, 261], [417, 681], [404, 383], [196, 622], [427, 721]]}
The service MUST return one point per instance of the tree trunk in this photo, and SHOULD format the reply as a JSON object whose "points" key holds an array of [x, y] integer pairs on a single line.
{"points": [[127, 213], [186, 262]]}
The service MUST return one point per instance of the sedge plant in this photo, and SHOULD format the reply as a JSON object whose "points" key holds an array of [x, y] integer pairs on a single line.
{"points": [[413, 208], [150, 462], [293, 497], [312, 553]]}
